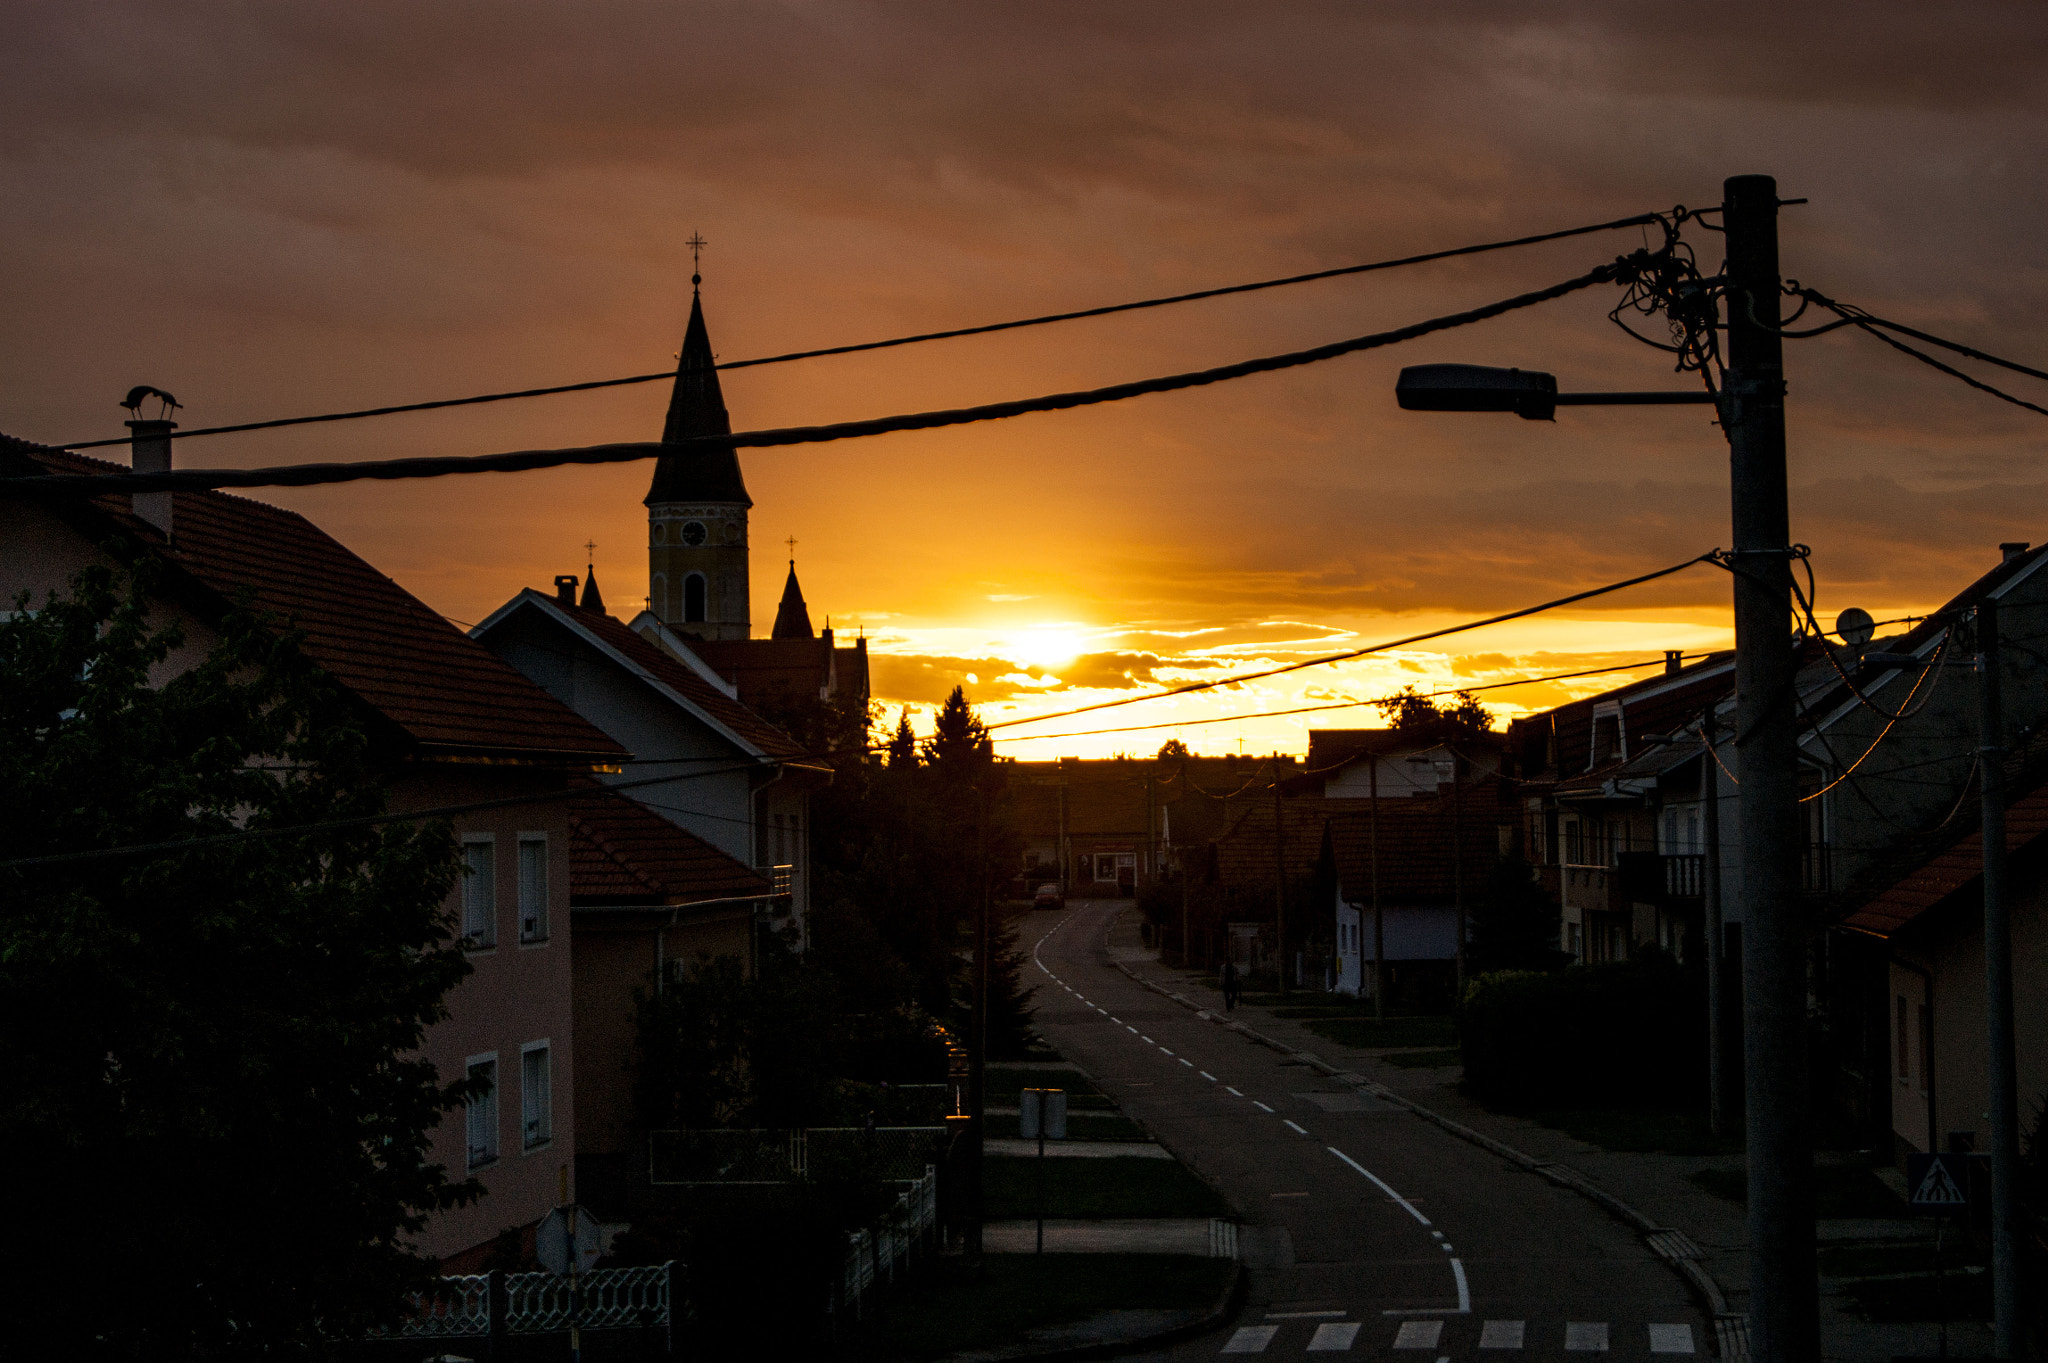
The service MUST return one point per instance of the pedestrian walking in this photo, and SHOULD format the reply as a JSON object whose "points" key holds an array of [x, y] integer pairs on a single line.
{"points": [[1229, 985]]}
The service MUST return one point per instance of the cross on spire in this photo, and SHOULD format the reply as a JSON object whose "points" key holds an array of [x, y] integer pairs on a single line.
{"points": [[590, 548], [791, 542], [696, 243]]}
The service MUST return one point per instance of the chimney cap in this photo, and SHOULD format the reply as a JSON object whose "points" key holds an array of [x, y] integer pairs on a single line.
{"points": [[565, 588], [2012, 549]]}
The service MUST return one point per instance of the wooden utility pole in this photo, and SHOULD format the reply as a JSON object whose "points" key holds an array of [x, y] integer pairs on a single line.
{"points": [[2000, 1055], [1279, 876], [1784, 1286], [1379, 919]]}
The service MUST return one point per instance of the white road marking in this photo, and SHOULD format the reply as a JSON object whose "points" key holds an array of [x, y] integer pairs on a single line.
{"points": [[1185, 1061], [1251, 1339], [1333, 1337], [1671, 1339], [1438, 1234], [1233, 1092], [1464, 1288], [1585, 1336], [1127, 1027], [1502, 1334], [1147, 1040], [1446, 1248], [1164, 1051], [1418, 1334], [1384, 1187], [1260, 1106], [1304, 1315], [1298, 1129], [1206, 1075]]}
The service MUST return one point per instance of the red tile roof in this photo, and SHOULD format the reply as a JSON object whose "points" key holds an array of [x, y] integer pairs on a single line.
{"points": [[1415, 854], [624, 853], [687, 682], [445, 691], [1955, 868]]}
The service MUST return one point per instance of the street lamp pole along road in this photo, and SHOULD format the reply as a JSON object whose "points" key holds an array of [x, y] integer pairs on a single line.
{"points": [[1784, 1308]]}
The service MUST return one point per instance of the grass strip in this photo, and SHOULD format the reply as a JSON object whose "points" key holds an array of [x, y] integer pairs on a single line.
{"points": [[1115, 1188], [1840, 1192], [948, 1307]]}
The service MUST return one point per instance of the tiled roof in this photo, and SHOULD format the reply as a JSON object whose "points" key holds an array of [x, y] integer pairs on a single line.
{"points": [[1415, 856], [622, 852], [686, 682], [1956, 867], [1102, 801], [440, 687]]}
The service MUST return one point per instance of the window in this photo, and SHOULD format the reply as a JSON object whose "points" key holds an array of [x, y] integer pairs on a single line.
{"points": [[533, 888], [536, 1105], [693, 599], [479, 892], [483, 1110]]}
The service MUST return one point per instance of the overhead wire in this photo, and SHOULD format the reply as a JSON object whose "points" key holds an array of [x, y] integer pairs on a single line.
{"points": [[918, 338], [518, 461], [1873, 325]]}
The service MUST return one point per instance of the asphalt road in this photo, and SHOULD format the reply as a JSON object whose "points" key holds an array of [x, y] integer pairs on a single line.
{"points": [[1369, 1232]]}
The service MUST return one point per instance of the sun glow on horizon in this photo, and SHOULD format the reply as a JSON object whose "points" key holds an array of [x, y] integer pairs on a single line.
{"points": [[1044, 646]]}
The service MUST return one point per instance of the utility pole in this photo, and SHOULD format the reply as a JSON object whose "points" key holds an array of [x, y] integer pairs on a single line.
{"points": [[1710, 866], [1999, 1057], [1784, 1308], [977, 1040], [1279, 876], [1458, 865], [1379, 919]]}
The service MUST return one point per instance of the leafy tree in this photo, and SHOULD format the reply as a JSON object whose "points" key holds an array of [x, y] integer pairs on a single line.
{"points": [[1411, 712], [1514, 923], [1173, 750], [216, 1115]]}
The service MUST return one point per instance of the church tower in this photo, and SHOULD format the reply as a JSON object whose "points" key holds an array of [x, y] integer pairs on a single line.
{"points": [[697, 508]]}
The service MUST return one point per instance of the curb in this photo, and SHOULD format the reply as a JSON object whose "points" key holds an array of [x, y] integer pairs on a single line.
{"points": [[1221, 1312], [1731, 1328]]}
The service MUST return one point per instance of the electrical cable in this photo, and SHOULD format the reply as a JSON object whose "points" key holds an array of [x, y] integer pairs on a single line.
{"points": [[1191, 687], [1342, 704], [1873, 325], [435, 466], [1641, 218]]}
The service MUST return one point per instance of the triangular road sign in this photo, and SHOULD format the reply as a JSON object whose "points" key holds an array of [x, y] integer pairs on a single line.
{"points": [[1938, 1187]]}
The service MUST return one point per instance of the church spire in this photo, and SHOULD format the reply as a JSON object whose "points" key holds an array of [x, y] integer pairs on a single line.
{"points": [[696, 408], [792, 617], [593, 600]]}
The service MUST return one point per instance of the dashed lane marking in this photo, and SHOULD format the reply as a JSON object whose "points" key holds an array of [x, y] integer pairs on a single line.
{"points": [[1251, 1339], [1384, 1187], [1502, 1334], [1418, 1334], [1164, 1051], [1185, 1061], [1233, 1092], [1298, 1129], [1585, 1337], [1260, 1106], [1333, 1337], [1206, 1075]]}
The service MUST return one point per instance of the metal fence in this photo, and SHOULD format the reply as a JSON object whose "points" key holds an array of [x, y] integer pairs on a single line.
{"points": [[876, 1255], [689, 1158], [536, 1303]]}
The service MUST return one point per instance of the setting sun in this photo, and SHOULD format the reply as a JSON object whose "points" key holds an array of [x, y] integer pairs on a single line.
{"points": [[1044, 647]]}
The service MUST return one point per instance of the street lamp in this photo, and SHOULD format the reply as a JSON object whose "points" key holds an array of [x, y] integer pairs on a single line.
{"points": [[1530, 395]]}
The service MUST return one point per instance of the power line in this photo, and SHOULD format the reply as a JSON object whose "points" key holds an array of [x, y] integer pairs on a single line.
{"points": [[1344, 704], [519, 461], [1873, 325], [1327, 659], [1638, 220]]}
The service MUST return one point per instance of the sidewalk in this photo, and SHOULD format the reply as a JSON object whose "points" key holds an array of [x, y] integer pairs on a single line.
{"points": [[1209, 1237], [1658, 1186]]}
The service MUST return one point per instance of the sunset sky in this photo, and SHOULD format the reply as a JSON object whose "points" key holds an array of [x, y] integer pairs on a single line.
{"points": [[281, 209]]}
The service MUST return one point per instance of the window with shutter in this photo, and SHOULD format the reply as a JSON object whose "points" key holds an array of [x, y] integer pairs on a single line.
{"points": [[483, 1111], [536, 1104], [533, 889], [479, 892]]}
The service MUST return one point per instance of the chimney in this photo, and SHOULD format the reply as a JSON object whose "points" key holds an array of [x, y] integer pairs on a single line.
{"points": [[1674, 658], [2010, 550], [149, 451], [565, 589]]}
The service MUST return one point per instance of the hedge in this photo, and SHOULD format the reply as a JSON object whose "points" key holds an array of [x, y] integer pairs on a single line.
{"points": [[1622, 1034]]}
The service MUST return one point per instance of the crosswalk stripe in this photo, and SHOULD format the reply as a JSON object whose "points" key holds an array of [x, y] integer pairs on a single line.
{"points": [[1671, 1339], [1419, 1334], [1333, 1337], [1251, 1339], [1585, 1336], [1502, 1334]]}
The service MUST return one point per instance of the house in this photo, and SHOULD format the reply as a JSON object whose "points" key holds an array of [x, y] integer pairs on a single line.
{"points": [[704, 761], [1096, 825], [649, 901], [453, 725]]}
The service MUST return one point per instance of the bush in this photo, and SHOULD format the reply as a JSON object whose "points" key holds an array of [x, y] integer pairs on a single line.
{"points": [[1624, 1034]]}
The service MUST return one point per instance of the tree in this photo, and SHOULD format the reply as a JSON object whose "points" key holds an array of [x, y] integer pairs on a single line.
{"points": [[1173, 750], [1411, 712], [903, 744], [216, 1113]]}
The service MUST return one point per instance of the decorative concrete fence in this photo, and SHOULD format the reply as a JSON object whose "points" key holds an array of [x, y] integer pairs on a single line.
{"points": [[642, 1298], [875, 1256]]}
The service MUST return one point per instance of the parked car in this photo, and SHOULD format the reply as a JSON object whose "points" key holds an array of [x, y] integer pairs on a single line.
{"points": [[1049, 896]]}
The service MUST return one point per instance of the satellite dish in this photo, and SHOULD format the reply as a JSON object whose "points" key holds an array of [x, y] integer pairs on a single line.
{"points": [[1855, 626]]}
